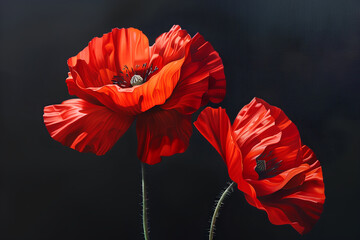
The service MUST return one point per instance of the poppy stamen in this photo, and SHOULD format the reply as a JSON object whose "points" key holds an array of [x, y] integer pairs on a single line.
{"points": [[267, 168], [132, 77], [136, 80]]}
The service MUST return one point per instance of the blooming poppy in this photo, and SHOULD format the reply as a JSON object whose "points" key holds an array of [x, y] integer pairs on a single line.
{"points": [[265, 157], [119, 78]]}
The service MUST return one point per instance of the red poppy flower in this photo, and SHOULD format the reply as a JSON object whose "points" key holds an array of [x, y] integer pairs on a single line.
{"points": [[265, 157], [118, 78]]}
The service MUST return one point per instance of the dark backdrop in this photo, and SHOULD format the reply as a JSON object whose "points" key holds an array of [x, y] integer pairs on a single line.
{"points": [[300, 55]]}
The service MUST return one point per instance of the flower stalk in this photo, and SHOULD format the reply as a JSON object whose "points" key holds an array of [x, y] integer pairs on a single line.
{"points": [[226, 192], [144, 205]]}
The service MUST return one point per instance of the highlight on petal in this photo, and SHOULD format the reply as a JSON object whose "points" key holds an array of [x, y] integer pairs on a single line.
{"points": [[254, 130], [84, 126], [202, 79], [170, 46], [162, 133], [288, 148], [279, 149]]}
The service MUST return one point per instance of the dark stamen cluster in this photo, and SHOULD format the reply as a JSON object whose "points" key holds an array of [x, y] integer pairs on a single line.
{"points": [[267, 168], [124, 78]]}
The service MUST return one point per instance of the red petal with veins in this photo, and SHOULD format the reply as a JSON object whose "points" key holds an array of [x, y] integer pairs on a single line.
{"points": [[284, 149], [84, 126], [287, 149], [169, 46], [215, 126], [282, 180], [202, 79], [162, 133], [254, 129]]}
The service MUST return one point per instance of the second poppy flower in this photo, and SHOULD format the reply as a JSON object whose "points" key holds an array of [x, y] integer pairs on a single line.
{"points": [[265, 157]]}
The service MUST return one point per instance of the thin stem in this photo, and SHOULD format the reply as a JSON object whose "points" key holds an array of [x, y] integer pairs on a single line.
{"points": [[144, 210], [217, 209]]}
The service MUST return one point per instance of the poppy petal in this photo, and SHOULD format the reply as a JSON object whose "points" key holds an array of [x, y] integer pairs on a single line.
{"points": [[254, 130], [265, 130], [270, 185], [214, 125], [106, 56], [202, 79], [288, 148], [170, 46], [84, 126], [75, 90], [162, 133], [312, 189], [302, 204]]}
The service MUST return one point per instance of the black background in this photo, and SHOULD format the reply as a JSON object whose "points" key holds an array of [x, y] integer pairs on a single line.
{"points": [[300, 55]]}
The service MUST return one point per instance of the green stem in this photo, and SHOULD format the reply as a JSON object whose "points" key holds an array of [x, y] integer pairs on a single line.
{"points": [[217, 209], [144, 212]]}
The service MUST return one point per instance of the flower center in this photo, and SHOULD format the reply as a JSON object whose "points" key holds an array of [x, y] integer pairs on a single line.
{"points": [[132, 77], [136, 80], [267, 168]]}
